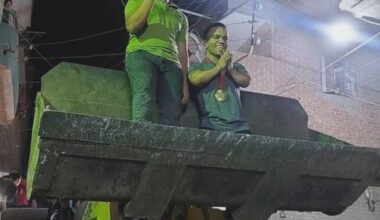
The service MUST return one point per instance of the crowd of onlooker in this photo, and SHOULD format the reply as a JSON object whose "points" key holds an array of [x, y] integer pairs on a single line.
{"points": [[13, 192]]}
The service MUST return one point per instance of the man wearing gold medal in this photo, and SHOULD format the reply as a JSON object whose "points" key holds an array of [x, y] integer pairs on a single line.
{"points": [[216, 81]]}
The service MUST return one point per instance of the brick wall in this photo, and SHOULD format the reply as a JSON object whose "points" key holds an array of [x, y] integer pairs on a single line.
{"points": [[293, 71], [295, 47], [352, 120]]}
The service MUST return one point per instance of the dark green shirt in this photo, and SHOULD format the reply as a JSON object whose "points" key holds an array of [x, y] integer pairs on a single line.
{"points": [[166, 27], [216, 115]]}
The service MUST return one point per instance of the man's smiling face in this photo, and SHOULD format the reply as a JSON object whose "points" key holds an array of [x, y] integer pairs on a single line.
{"points": [[217, 43]]}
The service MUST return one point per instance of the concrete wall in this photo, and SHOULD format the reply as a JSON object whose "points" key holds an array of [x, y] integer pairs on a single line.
{"points": [[9, 56], [7, 112], [23, 10], [1, 7], [293, 71]]}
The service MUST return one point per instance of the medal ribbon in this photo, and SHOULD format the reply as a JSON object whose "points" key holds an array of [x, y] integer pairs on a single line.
{"points": [[221, 80]]}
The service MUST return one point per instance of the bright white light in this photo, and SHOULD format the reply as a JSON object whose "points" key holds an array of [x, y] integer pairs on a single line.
{"points": [[221, 208], [341, 33]]}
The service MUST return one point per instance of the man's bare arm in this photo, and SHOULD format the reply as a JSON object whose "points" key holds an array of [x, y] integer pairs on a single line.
{"points": [[201, 77], [135, 20], [184, 60], [241, 79]]}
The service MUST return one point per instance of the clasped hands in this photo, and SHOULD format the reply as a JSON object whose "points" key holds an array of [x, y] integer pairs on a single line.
{"points": [[225, 62]]}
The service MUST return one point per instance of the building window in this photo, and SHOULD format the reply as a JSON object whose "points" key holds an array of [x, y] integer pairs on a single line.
{"points": [[344, 78]]}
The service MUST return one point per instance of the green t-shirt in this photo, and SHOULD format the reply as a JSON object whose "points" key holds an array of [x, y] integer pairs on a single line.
{"points": [[216, 115], [166, 27]]}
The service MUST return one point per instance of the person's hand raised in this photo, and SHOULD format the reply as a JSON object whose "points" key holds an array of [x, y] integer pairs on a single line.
{"points": [[224, 60]]}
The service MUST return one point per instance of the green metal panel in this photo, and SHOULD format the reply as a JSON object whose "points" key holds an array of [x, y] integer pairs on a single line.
{"points": [[97, 211], [88, 90], [82, 89], [35, 142]]}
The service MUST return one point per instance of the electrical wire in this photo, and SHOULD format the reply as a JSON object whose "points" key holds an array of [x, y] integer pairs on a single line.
{"points": [[178, 3], [369, 63], [309, 17], [195, 14], [365, 66], [211, 9], [237, 23], [30, 82], [293, 86], [77, 57], [79, 39], [119, 54], [296, 85], [37, 51], [107, 32], [283, 5], [330, 65], [101, 33], [353, 50], [117, 64], [252, 37], [236, 8], [102, 55], [368, 81], [349, 96], [198, 7], [191, 4]]}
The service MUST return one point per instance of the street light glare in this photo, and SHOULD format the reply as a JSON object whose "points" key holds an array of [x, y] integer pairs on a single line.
{"points": [[341, 33]]}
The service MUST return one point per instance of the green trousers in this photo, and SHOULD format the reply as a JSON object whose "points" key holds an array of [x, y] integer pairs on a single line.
{"points": [[156, 88]]}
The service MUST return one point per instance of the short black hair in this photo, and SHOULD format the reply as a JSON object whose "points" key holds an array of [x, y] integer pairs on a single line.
{"points": [[208, 31], [5, 2]]}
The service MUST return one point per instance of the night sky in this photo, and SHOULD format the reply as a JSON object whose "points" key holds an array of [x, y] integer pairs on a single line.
{"points": [[71, 19]]}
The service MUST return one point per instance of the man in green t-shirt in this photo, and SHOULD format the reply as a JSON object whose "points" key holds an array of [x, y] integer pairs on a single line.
{"points": [[157, 60], [216, 81]]}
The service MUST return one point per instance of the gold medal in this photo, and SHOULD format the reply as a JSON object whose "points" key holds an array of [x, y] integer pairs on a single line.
{"points": [[220, 95]]}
